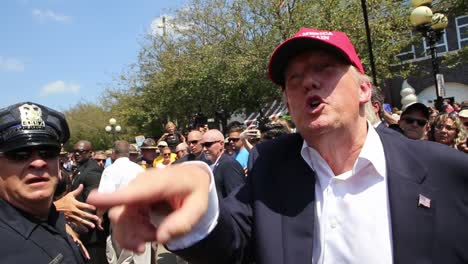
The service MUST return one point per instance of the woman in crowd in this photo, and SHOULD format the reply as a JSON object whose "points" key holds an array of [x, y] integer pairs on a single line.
{"points": [[166, 154], [172, 136], [447, 129]]}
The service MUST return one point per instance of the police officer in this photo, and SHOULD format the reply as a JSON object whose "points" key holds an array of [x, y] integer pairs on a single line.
{"points": [[31, 229]]}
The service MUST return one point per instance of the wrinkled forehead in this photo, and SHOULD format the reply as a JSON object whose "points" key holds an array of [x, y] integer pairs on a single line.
{"points": [[210, 137], [82, 146], [194, 135]]}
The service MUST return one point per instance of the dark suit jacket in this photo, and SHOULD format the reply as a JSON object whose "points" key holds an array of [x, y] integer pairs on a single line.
{"points": [[88, 174], [382, 125], [228, 174], [271, 218], [190, 157], [26, 239]]}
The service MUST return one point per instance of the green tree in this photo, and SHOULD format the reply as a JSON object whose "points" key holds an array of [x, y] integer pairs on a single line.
{"points": [[215, 54], [87, 121]]}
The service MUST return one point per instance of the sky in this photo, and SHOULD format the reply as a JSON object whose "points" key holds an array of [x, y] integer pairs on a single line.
{"points": [[62, 52]]}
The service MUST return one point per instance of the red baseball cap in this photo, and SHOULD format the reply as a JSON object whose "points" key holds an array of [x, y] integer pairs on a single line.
{"points": [[309, 39]]}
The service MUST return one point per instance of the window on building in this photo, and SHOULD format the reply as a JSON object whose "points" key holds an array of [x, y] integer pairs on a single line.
{"points": [[462, 31], [441, 45], [407, 53]]}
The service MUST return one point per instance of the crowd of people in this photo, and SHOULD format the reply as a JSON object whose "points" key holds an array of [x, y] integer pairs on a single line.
{"points": [[448, 126], [344, 182]]}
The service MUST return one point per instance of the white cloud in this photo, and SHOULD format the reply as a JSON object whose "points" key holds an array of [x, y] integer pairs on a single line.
{"points": [[11, 64], [157, 26], [58, 87], [44, 15]]}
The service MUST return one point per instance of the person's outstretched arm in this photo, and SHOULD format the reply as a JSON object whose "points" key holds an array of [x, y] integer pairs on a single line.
{"points": [[184, 188]]}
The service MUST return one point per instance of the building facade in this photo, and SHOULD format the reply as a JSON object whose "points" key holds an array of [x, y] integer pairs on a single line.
{"points": [[454, 39]]}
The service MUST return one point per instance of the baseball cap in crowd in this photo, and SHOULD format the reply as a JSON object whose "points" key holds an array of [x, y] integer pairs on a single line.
{"points": [[416, 107], [309, 39], [464, 109], [29, 124], [162, 144], [149, 143]]}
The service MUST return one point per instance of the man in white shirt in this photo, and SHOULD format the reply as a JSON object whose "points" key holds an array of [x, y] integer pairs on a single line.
{"points": [[337, 192], [114, 177]]}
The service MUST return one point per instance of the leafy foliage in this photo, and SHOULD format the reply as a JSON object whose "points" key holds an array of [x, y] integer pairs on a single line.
{"points": [[214, 55], [88, 121]]}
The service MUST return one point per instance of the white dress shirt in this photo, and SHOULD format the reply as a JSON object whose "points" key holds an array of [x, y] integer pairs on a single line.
{"points": [[352, 222], [208, 221], [118, 175], [114, 177], [352, 209]]}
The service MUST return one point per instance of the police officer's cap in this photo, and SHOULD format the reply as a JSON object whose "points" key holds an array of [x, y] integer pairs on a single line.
{"points": [[29, 124]]}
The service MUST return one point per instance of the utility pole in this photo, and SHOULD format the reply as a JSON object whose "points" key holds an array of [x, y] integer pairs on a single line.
{"points": [[163, 26]]}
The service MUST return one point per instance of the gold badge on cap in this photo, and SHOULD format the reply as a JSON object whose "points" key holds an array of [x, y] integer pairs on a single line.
{"points": [[31, 116]]}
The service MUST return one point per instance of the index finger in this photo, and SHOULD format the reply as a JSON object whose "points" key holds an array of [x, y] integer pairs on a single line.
{"points": [[155, 185]]}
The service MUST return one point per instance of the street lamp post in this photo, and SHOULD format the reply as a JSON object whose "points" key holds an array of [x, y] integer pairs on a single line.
{"points": [[113, 128], [369, 41], [431, 25]]}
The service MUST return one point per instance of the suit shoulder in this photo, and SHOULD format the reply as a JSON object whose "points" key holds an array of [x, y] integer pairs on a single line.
{"points": [[228, 161], [285, 141], [285, 144]]}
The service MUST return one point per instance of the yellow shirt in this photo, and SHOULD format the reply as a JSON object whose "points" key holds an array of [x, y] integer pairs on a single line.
{"points": [[160, 159]]}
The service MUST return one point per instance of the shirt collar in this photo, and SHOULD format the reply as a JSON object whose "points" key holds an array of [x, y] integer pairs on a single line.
{"points": [[371, 153], [213, 166], [376, 124]]}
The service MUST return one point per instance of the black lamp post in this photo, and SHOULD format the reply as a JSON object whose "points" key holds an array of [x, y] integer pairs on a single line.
{"points": [[369, 41], [113, 128], [431, 27]]}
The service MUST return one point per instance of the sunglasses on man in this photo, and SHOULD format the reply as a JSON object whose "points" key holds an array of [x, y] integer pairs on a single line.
{"points": [[411, 120], [234, 139], [192, 142], [209, 144], [80, 151], [25, 154]]}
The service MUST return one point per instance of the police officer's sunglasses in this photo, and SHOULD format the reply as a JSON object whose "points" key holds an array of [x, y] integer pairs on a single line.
{"points": [[24, 154]]}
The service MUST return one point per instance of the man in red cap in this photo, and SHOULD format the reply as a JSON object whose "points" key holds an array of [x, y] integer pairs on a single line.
{"points": [[338, 191]]}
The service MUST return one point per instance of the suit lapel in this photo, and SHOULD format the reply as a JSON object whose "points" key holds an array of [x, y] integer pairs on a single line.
{"points": [[297, 181], [76, 175], [412, 225]]}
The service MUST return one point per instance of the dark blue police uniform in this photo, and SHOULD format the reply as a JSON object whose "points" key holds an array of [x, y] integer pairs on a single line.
{"points": [[27, 239]]}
